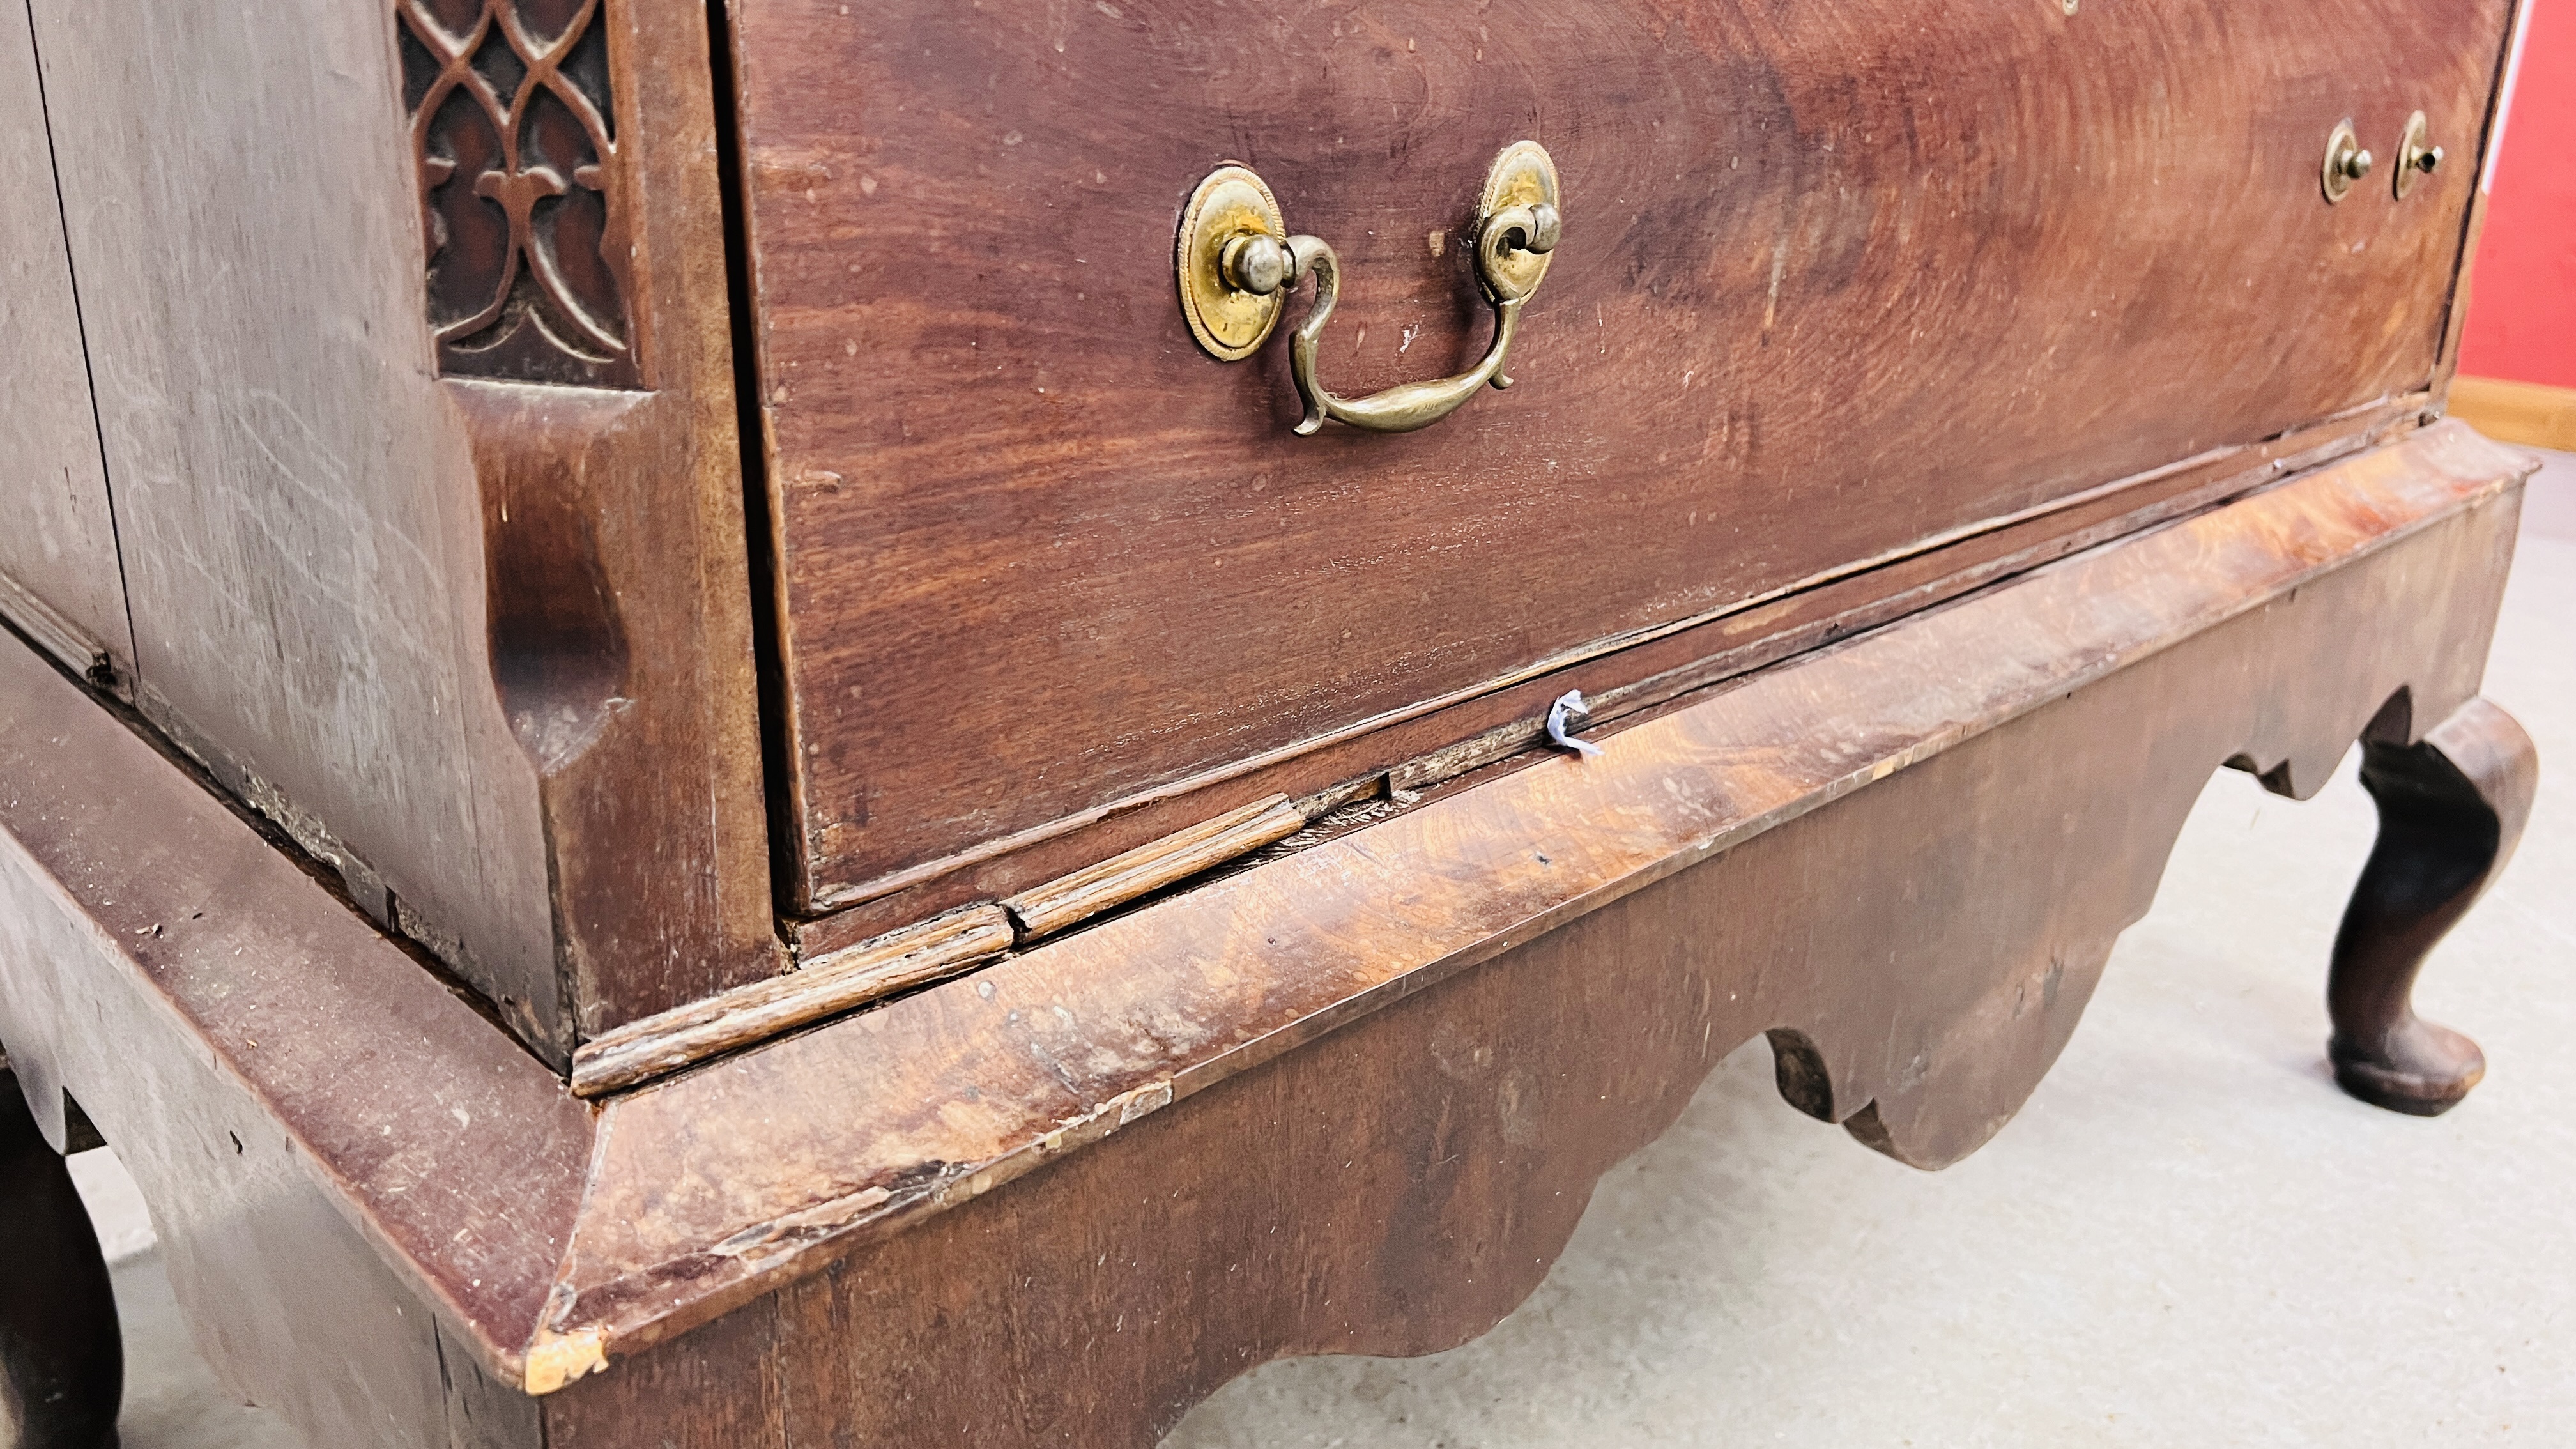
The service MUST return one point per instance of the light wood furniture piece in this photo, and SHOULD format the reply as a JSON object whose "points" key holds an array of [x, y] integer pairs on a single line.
{"points": [[2517, 412], [864, 723]]}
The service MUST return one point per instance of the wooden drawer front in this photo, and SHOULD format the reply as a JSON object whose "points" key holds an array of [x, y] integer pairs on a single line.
{"points": [[1835, 278]]}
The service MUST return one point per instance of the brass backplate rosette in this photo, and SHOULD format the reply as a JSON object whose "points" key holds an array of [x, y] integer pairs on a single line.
{"points": [[1230, 323], [2345, 161], [1523, 175], [2416, 155]]}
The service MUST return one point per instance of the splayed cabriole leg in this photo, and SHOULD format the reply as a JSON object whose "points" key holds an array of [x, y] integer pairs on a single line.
{"points": [[2450, 809], [62, 1365]]}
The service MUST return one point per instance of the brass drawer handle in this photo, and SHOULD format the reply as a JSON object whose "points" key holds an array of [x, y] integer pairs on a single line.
{"points": [[1237, 266]]}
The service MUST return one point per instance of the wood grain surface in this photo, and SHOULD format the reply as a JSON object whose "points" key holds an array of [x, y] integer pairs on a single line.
{"points": [[1441, 737], [1833, 282], [469, 643], [1855, 316], [345, 1160], [828, 985], [298, 548], [621, 518], [971, 1083], [1074, 898], [60, 581], [1917, 928], [2518, 412], [1905, 856]]}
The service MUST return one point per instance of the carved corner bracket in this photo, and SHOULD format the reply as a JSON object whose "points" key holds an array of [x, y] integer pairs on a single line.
{"points": [[513, 130]]}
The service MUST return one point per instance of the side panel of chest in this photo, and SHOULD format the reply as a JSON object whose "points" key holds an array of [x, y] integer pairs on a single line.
{"points": [[59, 577], [477, 639], [1834, 280]]}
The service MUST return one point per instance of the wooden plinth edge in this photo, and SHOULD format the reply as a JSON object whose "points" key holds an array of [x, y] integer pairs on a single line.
{"points": [[900, 961], [917, 955], [601, 1229], [2529, 413], [1078, 897]]}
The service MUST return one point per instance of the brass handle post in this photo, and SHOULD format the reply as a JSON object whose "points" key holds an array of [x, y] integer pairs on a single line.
{"points": [[2345, 162]]}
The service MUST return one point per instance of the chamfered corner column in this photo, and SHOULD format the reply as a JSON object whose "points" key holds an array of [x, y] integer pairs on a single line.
{"points": [[2450, 810], [62, 1364]]}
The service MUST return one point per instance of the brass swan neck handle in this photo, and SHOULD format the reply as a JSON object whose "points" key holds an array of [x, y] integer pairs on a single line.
{"points": [[1231, 238], [1264, 264]]}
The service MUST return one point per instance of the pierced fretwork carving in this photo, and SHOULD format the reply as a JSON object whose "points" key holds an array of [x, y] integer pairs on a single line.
{"points": [[513, 126]]}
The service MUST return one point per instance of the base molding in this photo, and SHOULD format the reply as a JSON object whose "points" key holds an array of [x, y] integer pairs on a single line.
{"points": [[1352, 1098], [1918, 946]]}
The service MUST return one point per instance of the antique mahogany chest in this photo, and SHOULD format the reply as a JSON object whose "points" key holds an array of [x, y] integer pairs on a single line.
{"points": [[657, 650]]}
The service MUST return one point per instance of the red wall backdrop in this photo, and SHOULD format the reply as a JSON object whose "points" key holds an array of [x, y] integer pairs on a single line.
{"points": [[2522, 305]]}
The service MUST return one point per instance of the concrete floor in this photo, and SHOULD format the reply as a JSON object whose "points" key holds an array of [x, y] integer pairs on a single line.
{"points": [[2188, 1237]]}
